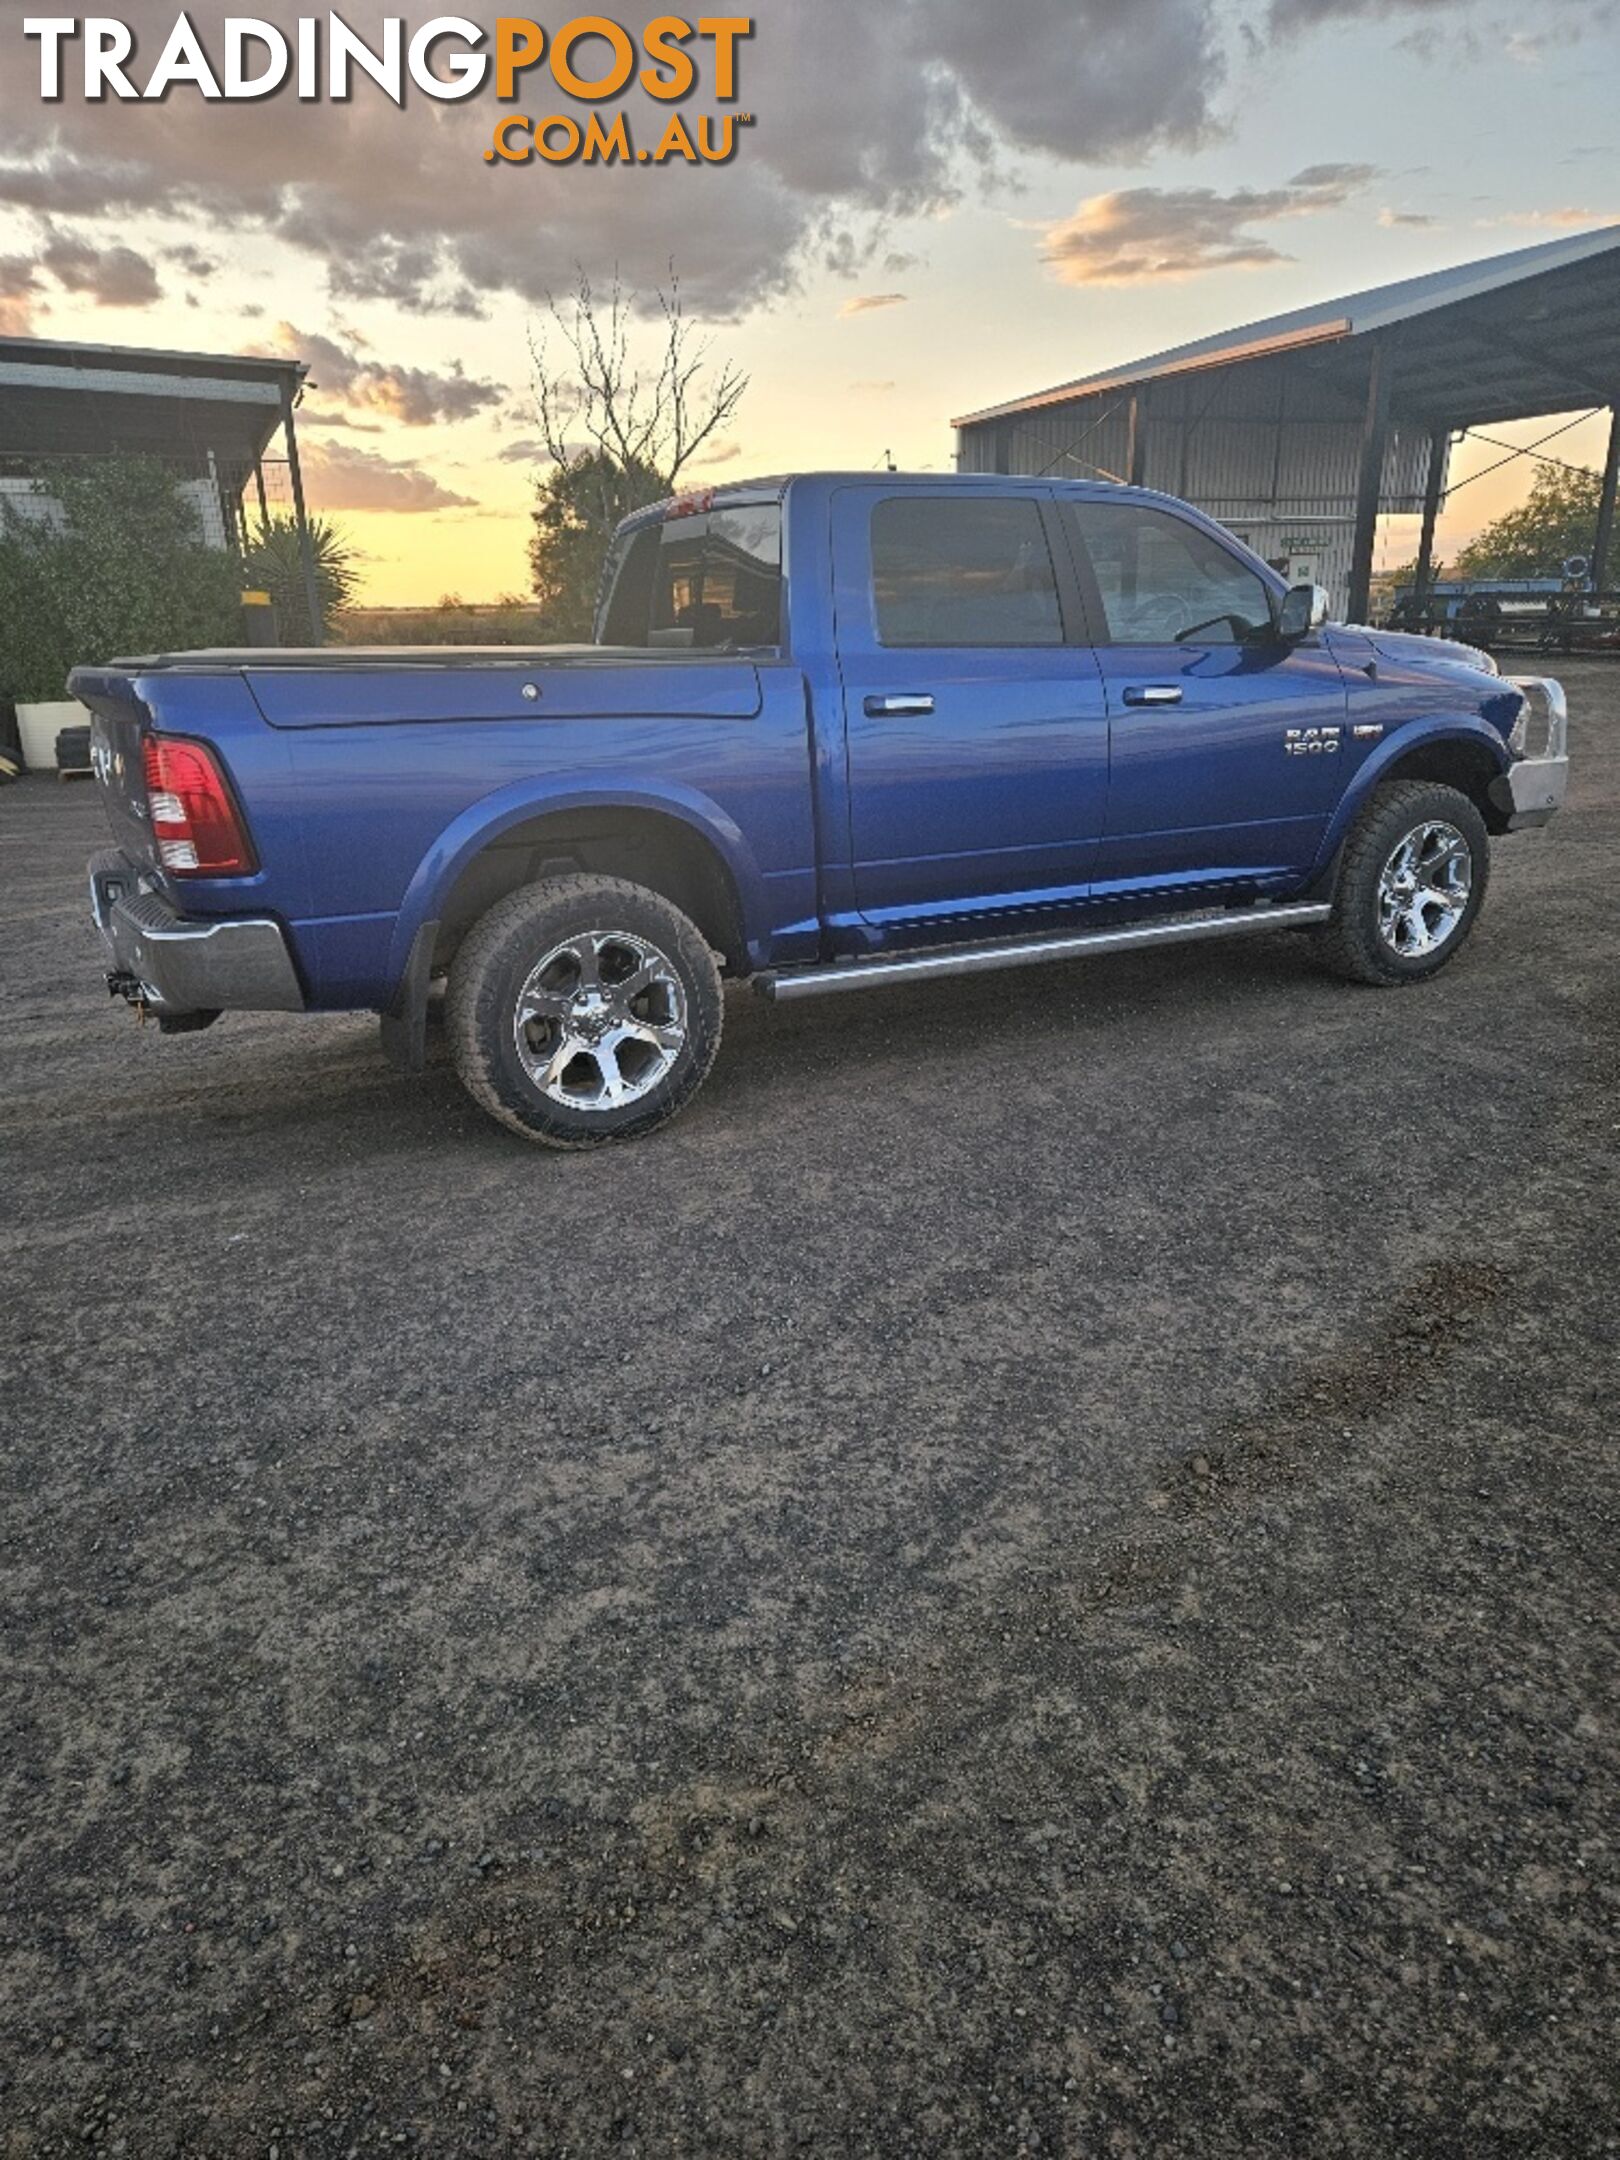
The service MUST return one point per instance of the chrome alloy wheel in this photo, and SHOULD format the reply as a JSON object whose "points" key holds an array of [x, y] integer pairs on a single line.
{"points": [[1423, 890], [600, 1021]]}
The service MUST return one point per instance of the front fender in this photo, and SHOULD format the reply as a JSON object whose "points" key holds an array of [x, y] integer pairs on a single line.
{"points": [[484, 821], [1431, 732]]}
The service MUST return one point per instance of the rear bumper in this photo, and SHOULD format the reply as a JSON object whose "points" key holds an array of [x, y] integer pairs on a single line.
{"points": [[176, 964], [1531, 791]]}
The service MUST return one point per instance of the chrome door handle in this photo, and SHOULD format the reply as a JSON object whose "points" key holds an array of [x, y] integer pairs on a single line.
{"points": [[891, 708], [1153, 694]]}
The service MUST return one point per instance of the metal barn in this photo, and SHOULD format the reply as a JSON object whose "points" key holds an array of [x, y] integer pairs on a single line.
{"points": [[1301, 431]]}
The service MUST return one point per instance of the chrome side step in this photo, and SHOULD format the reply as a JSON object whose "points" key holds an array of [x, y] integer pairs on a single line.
{"points": [[1027, 952]]}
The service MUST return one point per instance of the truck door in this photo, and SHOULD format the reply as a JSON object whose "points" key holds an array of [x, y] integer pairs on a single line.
{"points": [[1228, 746], [975, 729]]}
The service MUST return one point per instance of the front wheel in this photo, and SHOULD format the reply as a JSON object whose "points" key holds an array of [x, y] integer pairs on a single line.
{"points": [[1411, 881], [583, 1010]]}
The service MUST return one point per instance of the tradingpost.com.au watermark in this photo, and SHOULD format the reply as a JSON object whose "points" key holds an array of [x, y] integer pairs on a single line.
{"points": [[590, 60]]}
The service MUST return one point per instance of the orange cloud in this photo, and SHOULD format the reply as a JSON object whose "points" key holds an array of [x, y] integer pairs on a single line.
{"points": [[1139, 236]]}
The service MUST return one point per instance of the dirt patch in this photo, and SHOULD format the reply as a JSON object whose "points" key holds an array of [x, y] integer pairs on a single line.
{"points": [[1037, 1576]]}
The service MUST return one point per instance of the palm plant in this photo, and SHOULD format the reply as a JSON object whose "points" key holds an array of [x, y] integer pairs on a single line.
{"points": [[273, 562]]}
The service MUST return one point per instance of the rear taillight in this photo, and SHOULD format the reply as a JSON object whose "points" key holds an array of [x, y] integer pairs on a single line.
{"points": [[195, 821]]}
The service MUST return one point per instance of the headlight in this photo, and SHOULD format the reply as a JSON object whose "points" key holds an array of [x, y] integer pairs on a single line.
{"points": [[1520, 734]]}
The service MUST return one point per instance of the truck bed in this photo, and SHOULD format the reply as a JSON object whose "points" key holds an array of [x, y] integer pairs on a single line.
{"points": [[223, 659]]}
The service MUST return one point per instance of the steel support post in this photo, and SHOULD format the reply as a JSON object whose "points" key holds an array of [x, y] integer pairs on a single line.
{"points": [[1369, 480], [1438, 442], [1605, 518], [306, 547]]}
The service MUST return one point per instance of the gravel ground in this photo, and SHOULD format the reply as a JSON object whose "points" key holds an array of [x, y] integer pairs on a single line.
{"points": [[1036, 1575]]}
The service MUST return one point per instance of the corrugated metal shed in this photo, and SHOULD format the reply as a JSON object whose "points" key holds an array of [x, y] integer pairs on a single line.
{"points": [[210, 417], [1308, 425], [64, 400]]}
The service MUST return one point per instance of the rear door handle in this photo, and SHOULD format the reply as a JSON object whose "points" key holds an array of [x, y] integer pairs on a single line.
{"points": [[892, 708], [1153, 693]]}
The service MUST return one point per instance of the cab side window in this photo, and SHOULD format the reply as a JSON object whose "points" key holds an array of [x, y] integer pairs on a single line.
{"points": [[971, 571], [1165, 581]]}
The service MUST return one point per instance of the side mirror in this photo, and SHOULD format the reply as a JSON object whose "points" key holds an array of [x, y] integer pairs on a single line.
{"points": [[1304, 609]]}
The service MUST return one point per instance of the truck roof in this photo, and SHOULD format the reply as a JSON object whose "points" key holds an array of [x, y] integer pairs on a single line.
{"points": [[874, 475], [768, 487]]}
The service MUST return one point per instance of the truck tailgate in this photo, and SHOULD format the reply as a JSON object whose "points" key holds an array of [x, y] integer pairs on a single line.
{"points": [[119, 723]]}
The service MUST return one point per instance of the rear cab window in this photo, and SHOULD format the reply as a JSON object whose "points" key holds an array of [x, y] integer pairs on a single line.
{"points": [[965, 571], [712, 581]]}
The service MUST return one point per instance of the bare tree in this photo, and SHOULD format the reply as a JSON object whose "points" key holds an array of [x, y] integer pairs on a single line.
{"points": [[651, 419]]}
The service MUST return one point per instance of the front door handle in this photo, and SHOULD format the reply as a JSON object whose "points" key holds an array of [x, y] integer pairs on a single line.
{"points": [[893, 708], [1153, 693]]}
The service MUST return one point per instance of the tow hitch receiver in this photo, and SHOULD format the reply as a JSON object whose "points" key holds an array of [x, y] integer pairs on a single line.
{"points": [[133, 991]]}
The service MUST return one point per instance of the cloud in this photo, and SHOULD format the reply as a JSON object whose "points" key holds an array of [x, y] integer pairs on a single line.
{"points": [[111, 276], [1525, 47], [866, 114], [527, 450], [192, 260], [720, 453], [409, 275], [1290, 17], [1336, 181], [1441, 30], [415, 397], [873, 385], [342, 476], [1076, 78], [1565, 220], [1138, 236], [19, 283], [864, 303], [1392, 218], [345, 421]]}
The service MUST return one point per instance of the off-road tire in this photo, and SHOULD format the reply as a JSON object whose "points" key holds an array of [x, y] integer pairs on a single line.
{"points": [[1350, 943], [496, 959]]}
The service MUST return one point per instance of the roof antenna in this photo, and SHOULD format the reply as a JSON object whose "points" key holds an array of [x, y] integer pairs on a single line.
{"points": [[888, 462]]}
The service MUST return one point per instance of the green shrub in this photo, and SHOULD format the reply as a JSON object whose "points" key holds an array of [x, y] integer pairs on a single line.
{"points": [[576, 512], [124, 571]]}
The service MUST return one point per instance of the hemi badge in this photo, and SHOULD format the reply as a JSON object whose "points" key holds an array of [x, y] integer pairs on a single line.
{"points": [[1367, 730]]}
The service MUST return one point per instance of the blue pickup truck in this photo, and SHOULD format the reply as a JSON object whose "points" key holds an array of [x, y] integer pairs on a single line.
{"points": [[836, 731]]}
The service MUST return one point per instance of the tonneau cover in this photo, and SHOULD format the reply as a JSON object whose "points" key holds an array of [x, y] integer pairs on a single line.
{"points": [[381, 686], [226, 659]]}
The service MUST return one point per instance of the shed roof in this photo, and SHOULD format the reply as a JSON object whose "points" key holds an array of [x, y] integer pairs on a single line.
{"points": [[60, 399], [1534, 331]]}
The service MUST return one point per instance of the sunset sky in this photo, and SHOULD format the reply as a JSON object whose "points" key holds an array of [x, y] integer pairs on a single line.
{"points": [[939, 205]]}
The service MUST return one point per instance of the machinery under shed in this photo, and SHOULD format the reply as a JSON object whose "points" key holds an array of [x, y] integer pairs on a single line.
{"points": [[1301, 431]]}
